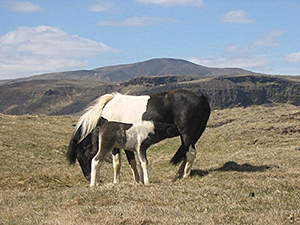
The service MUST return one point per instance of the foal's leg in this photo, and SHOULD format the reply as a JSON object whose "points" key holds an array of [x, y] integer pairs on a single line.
{"points": [[141, 152], [97, 160], [94, 168], [133, 165], [116, 164]]}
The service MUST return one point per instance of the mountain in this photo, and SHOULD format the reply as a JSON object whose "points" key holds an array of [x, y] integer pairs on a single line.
{"points": [[153, 67]]}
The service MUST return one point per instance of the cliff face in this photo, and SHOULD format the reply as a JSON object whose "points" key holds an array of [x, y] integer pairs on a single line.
{"points": [[254, 90], [59, 97], [229, 91]]}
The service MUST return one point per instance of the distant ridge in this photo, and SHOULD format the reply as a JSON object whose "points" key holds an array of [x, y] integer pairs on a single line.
{"points": [[152, 67]]}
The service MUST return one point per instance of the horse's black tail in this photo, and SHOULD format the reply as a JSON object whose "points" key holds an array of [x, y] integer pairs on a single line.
{"points": [[205, 117], [180, 155], [73, 147]]}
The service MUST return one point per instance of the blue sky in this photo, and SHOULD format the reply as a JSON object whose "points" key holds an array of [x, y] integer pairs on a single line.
{"points": [[49, 36]]}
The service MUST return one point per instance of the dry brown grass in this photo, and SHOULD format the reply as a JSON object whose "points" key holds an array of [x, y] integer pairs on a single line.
{"points": [[246, 172]]}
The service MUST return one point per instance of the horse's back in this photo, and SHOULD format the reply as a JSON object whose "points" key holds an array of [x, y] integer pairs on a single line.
{"points": [[175, 106], [190, 111], [126, 108]]}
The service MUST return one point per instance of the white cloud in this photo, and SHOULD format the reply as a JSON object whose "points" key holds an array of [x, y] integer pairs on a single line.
{"points": [[248, 57], [223, 62], [32, 50], [102, 7], [22, 6], [138, 21], [168, 3], [293, 57], [237, 16], [237, 51], [268, 39]]}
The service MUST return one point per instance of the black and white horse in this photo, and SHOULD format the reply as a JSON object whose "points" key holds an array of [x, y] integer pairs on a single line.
{"points": [[135, 137], [186, 110]]}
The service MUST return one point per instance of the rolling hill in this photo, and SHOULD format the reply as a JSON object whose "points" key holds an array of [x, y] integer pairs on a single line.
{"points": [[153, 67]]}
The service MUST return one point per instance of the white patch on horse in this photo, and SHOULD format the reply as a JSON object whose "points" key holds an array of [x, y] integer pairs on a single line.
{"points": [[190, 157], [191, 154], [138, 133], [129, 108]]}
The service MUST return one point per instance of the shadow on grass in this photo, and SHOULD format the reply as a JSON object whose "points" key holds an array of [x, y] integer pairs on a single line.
{"points": [[231, 166]]}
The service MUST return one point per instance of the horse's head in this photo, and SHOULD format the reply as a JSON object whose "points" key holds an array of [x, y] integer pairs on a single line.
{"points": [[88, 148], [85, 150], [85, 155]]}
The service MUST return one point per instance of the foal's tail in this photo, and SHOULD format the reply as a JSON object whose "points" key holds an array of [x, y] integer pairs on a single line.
{"points": [[180, 155], [88, 121]]}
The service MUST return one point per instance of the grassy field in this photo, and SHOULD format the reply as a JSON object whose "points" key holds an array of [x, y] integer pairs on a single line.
{"points": [[247, 171]]}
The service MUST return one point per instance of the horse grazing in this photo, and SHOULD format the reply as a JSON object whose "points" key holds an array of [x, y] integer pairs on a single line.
{"points": [[135, 137], [186, 110]]}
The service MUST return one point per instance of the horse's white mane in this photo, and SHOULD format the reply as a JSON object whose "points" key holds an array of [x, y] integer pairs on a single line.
{"points": [[88, 121]]}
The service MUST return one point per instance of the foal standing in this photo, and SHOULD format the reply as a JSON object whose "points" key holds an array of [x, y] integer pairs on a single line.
{"points": [[135, 137]]}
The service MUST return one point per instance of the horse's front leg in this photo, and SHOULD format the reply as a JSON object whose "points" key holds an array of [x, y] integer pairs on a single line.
{"points": [[116, 164], [141, 152]]}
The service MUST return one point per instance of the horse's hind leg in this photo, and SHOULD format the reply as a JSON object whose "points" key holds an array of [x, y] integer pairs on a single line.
{"points": [[186, 166], [190, 157], [189, 152], [116, 164]]}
